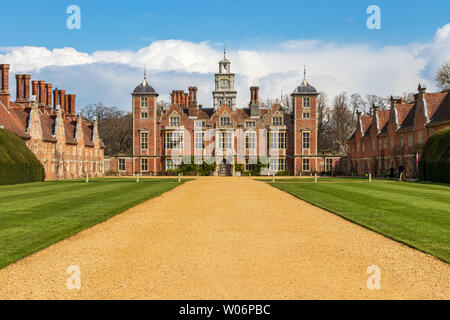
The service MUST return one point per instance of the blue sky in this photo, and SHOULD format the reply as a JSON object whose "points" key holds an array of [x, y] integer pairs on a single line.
{"points": [[108, 25], [268, 43]]}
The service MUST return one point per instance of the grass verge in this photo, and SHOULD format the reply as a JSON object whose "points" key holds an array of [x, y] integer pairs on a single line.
{"points": [[417, 214]]}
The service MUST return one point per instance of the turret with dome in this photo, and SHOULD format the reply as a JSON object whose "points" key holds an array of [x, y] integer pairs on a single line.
{"points": [[305, 87], [144, 87]]}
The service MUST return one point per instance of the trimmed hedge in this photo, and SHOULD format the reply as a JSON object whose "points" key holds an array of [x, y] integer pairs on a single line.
{"points": [[17, 163], [434, 164]]}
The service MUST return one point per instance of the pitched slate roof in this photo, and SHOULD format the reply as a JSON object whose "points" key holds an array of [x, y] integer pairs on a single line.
{"points": [[16, 119], [402, 111], [408, 123], [434, 100], [442, 112], [366, 121]]}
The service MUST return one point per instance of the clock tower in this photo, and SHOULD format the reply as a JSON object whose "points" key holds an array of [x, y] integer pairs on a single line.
{"points": [[224, 92]]}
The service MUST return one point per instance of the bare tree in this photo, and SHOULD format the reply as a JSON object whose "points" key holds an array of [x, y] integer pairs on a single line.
{"points": [[162, 105], [341, 122], [443, 76], [408, 97], [114, 126], [372, 99], [286, 102]]}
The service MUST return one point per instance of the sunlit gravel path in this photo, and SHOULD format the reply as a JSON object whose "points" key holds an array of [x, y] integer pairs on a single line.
{"points": [[226, 238]]}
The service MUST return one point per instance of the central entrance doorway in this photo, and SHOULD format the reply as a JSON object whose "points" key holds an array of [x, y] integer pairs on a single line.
{"points": [[224, 168]]}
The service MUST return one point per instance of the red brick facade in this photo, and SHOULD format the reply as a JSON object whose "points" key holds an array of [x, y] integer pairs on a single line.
{"points": [[67, 145], [163, 138], [394, 138]]}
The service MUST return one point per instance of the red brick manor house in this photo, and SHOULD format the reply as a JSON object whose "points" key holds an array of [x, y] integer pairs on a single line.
{"points": [[395, 138], [67, 145], [224, 134]]}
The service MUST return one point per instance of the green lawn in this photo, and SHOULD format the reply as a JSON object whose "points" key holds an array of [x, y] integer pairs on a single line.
{"points": [[311, 179], [36, 215], [417, 214]]}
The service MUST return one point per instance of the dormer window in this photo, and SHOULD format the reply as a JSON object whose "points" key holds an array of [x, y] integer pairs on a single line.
{"points": [[250, 124], [277, 121], [225, 121], [306, 102], [144, 102], [174, 121]]}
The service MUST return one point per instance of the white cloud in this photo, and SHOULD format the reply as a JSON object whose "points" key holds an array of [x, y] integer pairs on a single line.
{"points": [[110, 76]]}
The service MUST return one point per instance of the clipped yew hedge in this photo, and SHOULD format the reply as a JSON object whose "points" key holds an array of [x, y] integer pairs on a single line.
{"points": [[434, 163], [17, 163]]}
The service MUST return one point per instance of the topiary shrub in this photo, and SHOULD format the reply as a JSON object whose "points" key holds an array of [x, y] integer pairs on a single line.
{"points": [[17, 163], [434, 164]]}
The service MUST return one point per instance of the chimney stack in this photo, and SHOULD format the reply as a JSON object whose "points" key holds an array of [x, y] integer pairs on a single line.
{"points": [[66, 103], [48, 94], [41, 92], [254, 93], [26, 89], [174, 97], [19, 87], [71, 104], [192, 96], [34, 88], [186, 99], [254, 103], [55, 99], [180, 97], [62, 100], [192, 102], [4, 85]]}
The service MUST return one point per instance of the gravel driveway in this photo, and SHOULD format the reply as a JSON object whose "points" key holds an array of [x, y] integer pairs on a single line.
{"points": [[226, 238]]}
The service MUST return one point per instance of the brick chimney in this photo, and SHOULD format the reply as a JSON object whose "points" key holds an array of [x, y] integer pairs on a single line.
{"points": [[41, 93], [48, 94], [179, 97], [55, 99], [62, 100], [19, 87], [71, 104], [66, 103], [174, 96], [254, 103], [192, 96], [4, 85], [26, 89], [192, 102], [35, 88]]}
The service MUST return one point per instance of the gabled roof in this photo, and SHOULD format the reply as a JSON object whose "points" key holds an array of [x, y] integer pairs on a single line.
{"points": [[442, 112], [433, 101], [402, 111], [16, 119], [408, 123], [70, 128], [366, 121]]}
